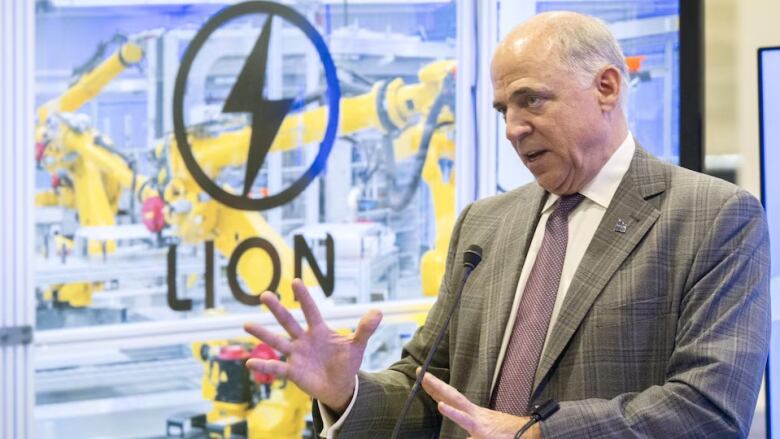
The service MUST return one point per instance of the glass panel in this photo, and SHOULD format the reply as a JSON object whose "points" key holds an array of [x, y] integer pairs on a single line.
{"points": [[189, 157], [769, 95], [648, 34]]}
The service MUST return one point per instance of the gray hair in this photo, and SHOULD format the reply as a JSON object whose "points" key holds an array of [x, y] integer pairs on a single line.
{"points": [[588, 47]]}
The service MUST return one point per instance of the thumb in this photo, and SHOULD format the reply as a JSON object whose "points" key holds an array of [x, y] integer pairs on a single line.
{"points": [[367, 326]]}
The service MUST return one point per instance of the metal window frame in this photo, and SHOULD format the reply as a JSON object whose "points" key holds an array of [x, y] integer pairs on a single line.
{"points": [[692, 84], [17, 54], [477, 124]]}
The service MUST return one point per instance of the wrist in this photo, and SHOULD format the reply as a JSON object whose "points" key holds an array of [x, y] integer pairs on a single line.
{"points": [[534, 431], [338, 405]]}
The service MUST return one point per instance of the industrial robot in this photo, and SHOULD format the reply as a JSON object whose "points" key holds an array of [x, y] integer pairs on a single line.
{"points": [[244, 404]]}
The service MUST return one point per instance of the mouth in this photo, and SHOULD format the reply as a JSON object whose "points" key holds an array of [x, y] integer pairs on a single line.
{"points": [[534, 155]]}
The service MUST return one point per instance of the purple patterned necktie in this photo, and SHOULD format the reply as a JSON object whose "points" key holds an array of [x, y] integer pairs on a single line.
{"points": [[513, 388]]}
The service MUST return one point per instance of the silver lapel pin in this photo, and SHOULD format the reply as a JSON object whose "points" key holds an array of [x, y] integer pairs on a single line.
{"points": [[621, 226]]}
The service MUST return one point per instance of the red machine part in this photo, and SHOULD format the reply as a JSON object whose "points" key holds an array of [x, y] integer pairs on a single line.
{"points": [[233, 352], [40, 149], [152, 214], [263, 352]]}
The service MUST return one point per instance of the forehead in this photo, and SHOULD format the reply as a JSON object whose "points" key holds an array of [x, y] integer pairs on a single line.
{"points": [[512, 70]]}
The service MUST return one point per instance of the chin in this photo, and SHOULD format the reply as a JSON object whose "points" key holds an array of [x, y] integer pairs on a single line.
{"points": [[548, 185]]}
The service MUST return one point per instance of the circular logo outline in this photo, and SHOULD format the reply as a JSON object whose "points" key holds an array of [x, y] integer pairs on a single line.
{"points": [[334, 94]]}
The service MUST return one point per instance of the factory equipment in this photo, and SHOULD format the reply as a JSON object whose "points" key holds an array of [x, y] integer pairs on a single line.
{"points": [[89, 174], [246, 405], [116, 203]]}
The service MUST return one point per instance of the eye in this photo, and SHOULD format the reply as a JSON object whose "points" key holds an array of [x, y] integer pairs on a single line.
{"points": [[533, 101]]}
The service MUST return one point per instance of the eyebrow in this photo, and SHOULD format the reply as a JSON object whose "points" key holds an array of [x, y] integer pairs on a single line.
{"points": [[522, 91]]}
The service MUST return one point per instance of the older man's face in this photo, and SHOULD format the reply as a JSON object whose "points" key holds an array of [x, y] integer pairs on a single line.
{"points": [[554, 122]]}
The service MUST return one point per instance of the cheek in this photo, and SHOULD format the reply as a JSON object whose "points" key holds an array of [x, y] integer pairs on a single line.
{"points": [[573, 143], [576, 161], [577, 156], [566, 156]]}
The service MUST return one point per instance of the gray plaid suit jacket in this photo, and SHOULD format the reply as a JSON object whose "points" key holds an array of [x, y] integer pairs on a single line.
{"points": [[663, 333]]}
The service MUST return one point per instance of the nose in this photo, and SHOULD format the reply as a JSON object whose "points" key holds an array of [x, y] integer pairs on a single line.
{"points": [[517, 128]]}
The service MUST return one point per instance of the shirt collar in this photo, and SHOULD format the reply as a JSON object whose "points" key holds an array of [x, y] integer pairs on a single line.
{"points": [[603, 186]]}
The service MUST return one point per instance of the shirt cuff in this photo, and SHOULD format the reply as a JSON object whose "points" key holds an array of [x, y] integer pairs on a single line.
{"points": [[330, 427]]}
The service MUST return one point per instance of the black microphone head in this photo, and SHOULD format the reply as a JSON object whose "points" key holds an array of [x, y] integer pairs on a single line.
{"points": [[472, 256]]}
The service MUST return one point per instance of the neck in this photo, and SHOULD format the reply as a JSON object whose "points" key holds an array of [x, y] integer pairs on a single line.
{"points": [[618, 131]]}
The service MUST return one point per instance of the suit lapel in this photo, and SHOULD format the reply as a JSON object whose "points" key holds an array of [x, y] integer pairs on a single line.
{"points": [[512, 242], [628, 211]]}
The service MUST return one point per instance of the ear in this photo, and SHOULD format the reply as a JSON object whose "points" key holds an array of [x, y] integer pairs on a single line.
{"points": [[609, 87]]}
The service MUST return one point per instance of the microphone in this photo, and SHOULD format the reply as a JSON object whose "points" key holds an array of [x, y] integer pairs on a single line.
{"points": [[471, 258]]}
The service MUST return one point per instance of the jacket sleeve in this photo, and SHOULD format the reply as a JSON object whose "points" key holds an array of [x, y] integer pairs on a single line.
{"points": [[714, 372], [381, 395]]}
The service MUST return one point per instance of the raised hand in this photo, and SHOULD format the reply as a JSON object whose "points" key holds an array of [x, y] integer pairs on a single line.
{"points": [[322, 362]]}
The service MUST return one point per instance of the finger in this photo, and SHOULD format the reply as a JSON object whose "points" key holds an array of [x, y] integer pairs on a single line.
{"points": [[269, 367], [273, 339], [310, 310], [459, 417], [367, 326], [283, 316], [443, 392]]}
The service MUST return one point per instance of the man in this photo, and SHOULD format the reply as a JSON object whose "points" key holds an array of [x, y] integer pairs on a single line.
{"points": [[632, 291]]}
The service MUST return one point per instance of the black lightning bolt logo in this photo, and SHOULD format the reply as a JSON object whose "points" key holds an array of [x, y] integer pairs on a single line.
{"points": [[247, 97]]}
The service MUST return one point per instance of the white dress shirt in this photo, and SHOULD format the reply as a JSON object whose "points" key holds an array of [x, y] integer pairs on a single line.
{"points": [[583, 222]]}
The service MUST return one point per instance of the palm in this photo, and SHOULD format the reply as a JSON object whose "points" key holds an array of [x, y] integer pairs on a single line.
{"points": [[322, 362], [321, 357]]}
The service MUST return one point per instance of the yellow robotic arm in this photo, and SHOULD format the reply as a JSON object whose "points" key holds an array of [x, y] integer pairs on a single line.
{"points": [[90, 176], [90, 84], [96, 174], [68, 147]]}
